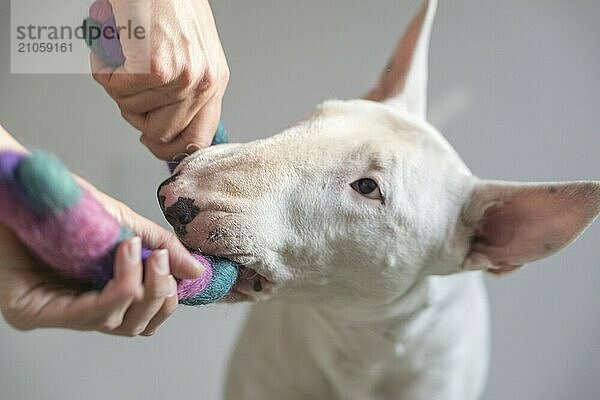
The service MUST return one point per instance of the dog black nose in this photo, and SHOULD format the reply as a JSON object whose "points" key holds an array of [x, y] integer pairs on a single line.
{"points": [[181, 210], [181, 213]]}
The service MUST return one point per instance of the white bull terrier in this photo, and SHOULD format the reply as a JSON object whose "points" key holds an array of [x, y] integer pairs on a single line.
{"points": [[368, 235]]}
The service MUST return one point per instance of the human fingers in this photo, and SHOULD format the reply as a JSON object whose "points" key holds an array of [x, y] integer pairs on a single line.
{"points": [[159, 284], [199, 132]]}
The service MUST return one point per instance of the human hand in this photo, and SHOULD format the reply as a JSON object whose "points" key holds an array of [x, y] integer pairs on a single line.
{"points": [[33, 296], [177, 103]]}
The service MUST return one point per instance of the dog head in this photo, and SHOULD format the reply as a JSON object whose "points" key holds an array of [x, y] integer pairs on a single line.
{"points": [[364, 197]]}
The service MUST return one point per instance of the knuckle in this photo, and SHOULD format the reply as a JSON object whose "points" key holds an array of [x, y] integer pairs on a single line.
{"points": [[200, 139], [13, 318], [13, 314], [110, 323], [155, 130], [203, 142], [124, 112], [138, 330], [167, 240], [206, 140], [125, 291], [225, 75], [146, 141], [156, 291], [129, 291], [187, 77], [162, 288], [125, 107], [159, 293], [159, 73], [206, 82], [169, 308], [152, 134], [107, 326], [120, 211], [168, 237], [164, 136], [127, 114], [134, 331]]}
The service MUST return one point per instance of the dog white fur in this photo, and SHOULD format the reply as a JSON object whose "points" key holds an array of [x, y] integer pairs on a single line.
{"points": [[378, 294]]}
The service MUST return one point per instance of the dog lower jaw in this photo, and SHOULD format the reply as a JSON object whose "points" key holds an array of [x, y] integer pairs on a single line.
{"points": [[250, 286]]}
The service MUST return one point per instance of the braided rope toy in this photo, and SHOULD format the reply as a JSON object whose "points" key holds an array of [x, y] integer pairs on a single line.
{"points": [[66, 227]]}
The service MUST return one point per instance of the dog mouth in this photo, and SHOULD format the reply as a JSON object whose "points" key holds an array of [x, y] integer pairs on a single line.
{"points": [[250, 285], [181, 212]]}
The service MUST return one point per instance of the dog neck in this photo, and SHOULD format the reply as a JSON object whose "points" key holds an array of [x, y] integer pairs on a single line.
{"points": [[344, 313]]}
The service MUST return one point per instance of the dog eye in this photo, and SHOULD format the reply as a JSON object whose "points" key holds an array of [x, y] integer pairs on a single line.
{"points": [[367, 187]]}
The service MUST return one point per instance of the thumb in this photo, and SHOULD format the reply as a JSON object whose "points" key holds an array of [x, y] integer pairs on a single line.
{"points": [[183, 264], [133, 20]]}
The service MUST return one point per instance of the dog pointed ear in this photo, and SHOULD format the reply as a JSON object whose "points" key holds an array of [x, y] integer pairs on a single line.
{"points": [[511, 224], [404, 81]]}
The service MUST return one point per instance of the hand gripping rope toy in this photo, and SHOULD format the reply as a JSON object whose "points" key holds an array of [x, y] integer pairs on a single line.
{"points": [[65, 226]]}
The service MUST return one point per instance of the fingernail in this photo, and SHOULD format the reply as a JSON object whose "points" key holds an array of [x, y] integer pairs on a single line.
{"points": [[162, 262], [134, 250], [198, 265]]}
